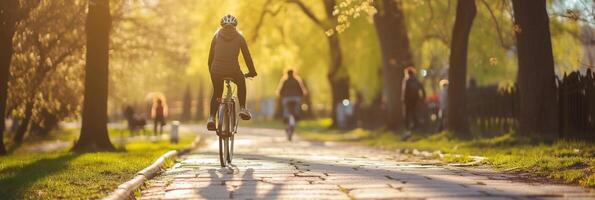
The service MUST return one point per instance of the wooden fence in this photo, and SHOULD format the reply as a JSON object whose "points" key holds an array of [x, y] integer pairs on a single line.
{"points": [[576, 97], [494, 110]]}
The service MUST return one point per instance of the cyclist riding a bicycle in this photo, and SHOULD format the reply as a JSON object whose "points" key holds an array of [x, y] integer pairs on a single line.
{"points": [[223, 64], [291, 90]]}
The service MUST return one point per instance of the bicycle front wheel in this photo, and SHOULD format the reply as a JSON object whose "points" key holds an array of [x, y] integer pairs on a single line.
{"points": [[221, 152], [225, 123], [225, 149], [230, 151]]}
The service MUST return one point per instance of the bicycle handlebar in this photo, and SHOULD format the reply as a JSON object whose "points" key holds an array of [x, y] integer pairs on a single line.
{"points": [[249, 76]]}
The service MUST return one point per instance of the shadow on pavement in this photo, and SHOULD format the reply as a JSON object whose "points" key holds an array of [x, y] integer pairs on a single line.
{"points": [[217, 188], [401, 179]]}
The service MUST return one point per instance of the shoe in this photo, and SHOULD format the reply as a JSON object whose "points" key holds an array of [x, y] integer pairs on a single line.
{"points": [[211, 124], [245, 114]]}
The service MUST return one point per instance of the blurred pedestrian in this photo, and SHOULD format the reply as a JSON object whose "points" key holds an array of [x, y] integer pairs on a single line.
{"points": [[442, 105], [158, 113], [129, 115], [413, 94]]}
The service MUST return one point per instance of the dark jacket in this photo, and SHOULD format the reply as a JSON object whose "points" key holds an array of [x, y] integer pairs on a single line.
{"points": [[225, 49], [413, 90], [292, 87]]}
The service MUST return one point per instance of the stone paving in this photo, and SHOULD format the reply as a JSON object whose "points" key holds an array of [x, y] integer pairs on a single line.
{"points": [[268, 167]]}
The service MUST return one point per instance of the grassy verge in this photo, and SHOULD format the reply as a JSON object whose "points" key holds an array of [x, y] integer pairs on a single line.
{"points": [[569, 161], [65, 175], [262, 123]]}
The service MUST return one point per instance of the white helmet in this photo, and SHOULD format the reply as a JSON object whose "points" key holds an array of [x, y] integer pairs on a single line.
{"points": [[229, 19]]}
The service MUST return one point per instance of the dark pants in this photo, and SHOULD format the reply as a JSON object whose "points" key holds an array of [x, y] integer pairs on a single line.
{"points": [[158, 124], [411, 114], [441, 120], [217, 80]]}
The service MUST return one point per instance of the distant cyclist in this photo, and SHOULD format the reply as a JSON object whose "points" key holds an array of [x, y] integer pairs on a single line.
{"points": [[291, 90], [223, 63]]}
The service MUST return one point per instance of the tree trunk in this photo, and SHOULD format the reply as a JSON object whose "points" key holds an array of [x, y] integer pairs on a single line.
{"points": [[24, 126], [457, 73], [47, 122], [187, 105], [308, 101], [94, 135], [536, 76], [8, 11], [200, 104], [396, 55], [338, 76]]}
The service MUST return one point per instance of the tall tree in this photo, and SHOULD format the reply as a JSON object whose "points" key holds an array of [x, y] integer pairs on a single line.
{"points": [[396, 56], [61, 44], [337, 74], [94, 135], [536, 76], [11, 12], [7, 23], [200, 104], [457, 72], [187, 105]]}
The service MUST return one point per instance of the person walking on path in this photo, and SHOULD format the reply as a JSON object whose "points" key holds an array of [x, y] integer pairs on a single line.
{"points": [[413, 93], [442, 104], [291, 89], [158, 113], [223, 63]]}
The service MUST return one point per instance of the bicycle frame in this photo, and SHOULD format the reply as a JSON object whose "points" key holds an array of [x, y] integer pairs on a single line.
{"points": [[230, 100]]}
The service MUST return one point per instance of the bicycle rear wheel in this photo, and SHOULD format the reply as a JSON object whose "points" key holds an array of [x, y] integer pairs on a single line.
{"points": [[223, 128], [233, 129], [290, 127]]}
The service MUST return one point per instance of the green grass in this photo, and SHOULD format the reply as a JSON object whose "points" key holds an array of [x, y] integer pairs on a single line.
{"points": [[65, 175], [262, 123], [568, 161]]}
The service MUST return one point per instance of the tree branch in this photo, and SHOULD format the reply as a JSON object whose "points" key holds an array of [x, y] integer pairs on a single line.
{"points": [[437, 36], [564, 15], [263, 14], [308, 12], [498, 28]]}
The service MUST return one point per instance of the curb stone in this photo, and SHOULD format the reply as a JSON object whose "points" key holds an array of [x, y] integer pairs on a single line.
{"points": [[477, 160], [126, 190]]}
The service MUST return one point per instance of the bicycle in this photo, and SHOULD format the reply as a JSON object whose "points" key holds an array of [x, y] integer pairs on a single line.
{"points": [[227, 124], [291, 120]]}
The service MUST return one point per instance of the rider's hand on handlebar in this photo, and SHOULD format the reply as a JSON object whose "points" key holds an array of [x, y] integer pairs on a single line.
{"points": [[250, 75]]}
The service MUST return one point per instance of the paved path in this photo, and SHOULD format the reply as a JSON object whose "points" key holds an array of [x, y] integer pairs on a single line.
{"points": [[268, 167]]}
